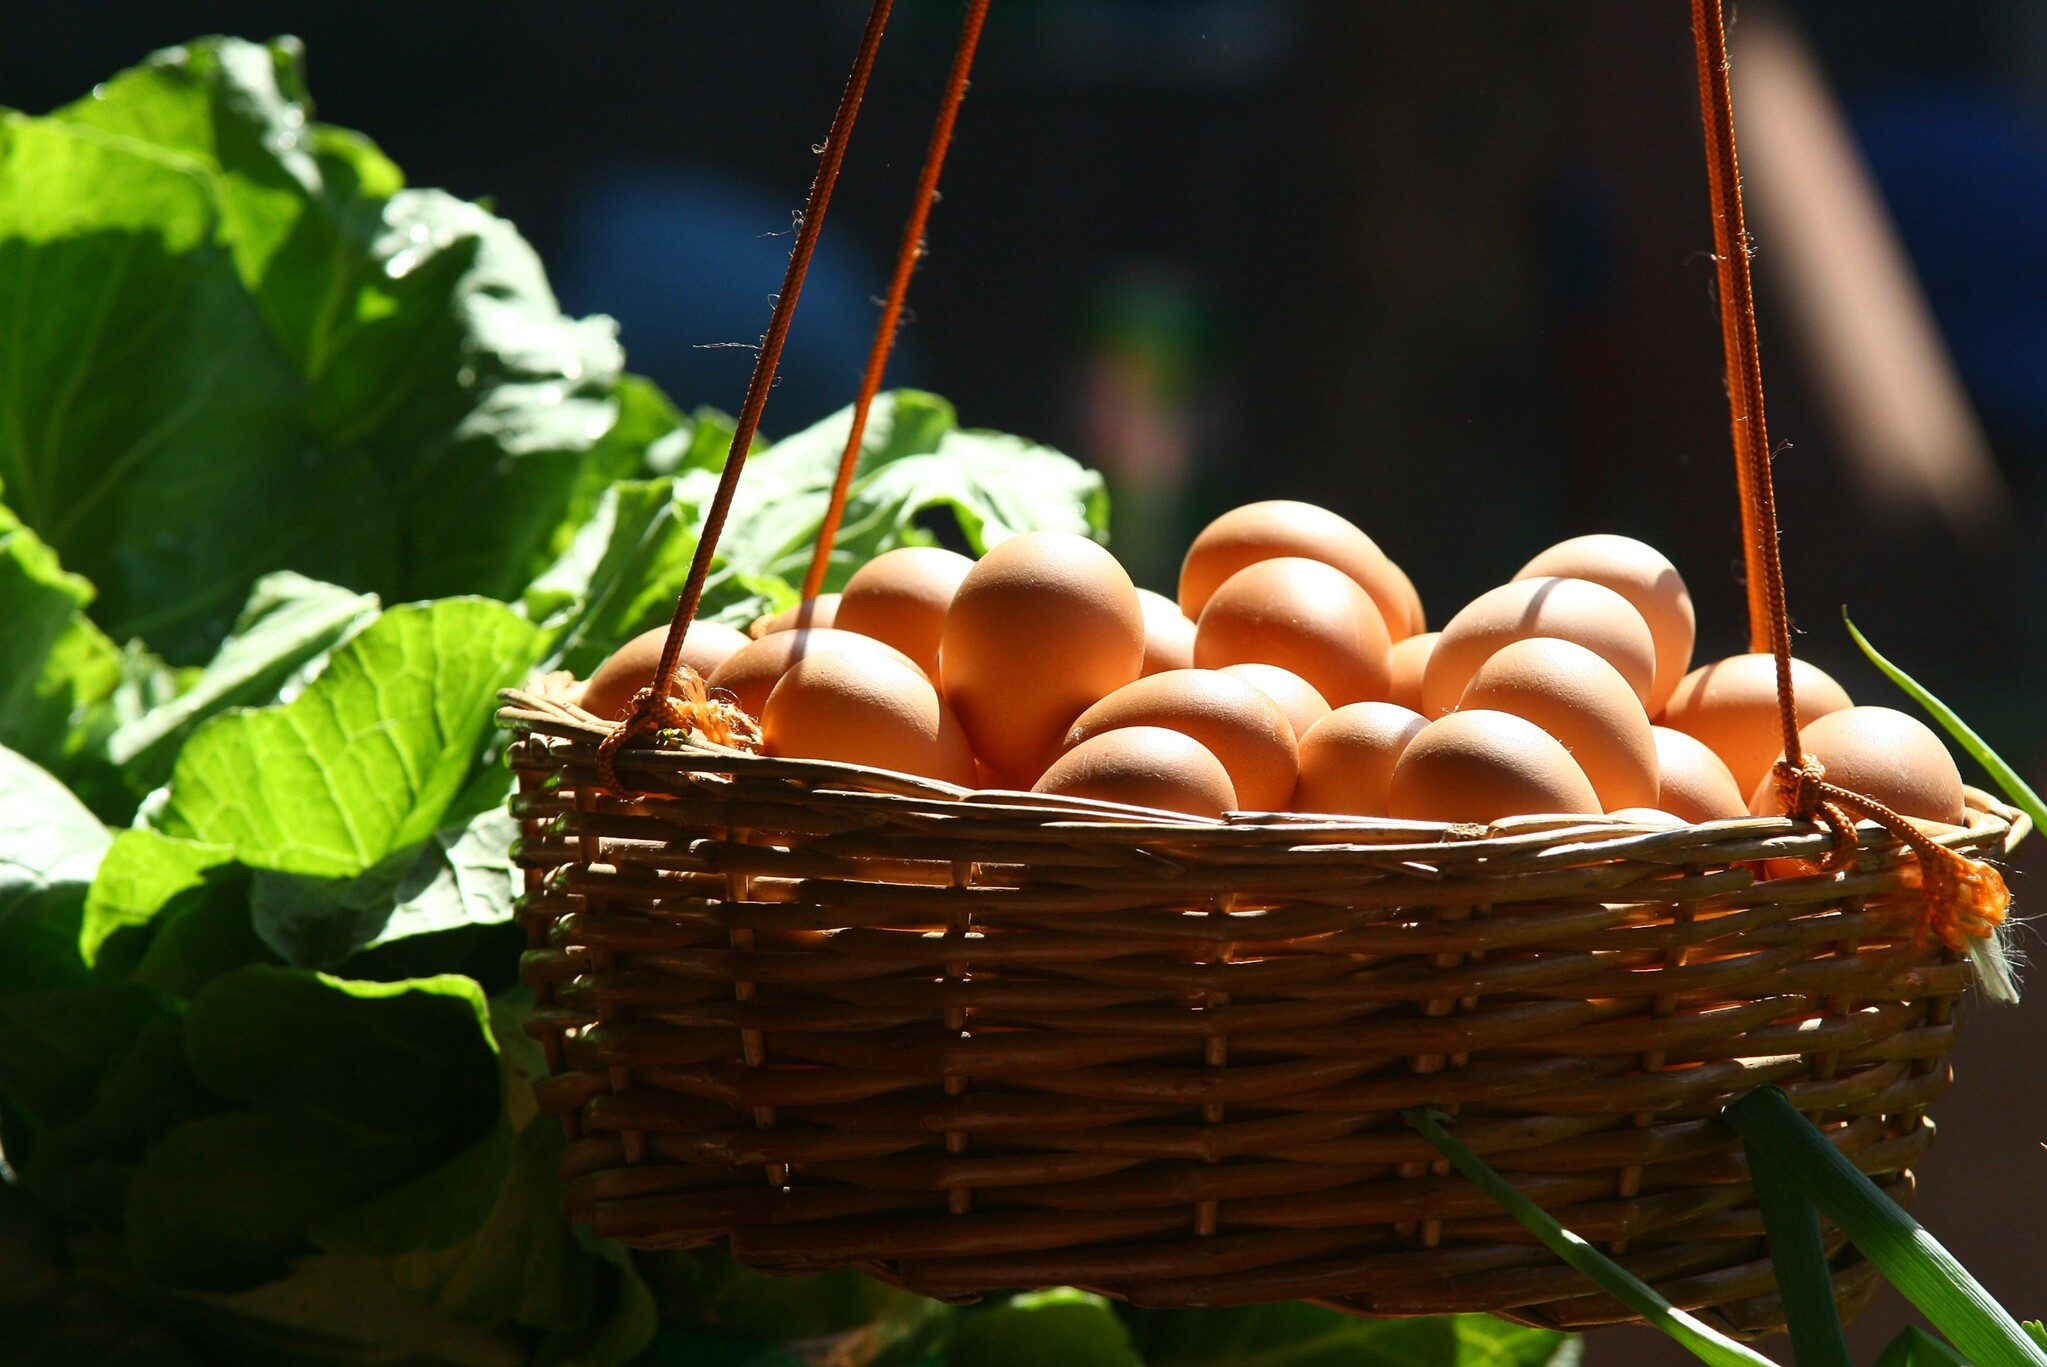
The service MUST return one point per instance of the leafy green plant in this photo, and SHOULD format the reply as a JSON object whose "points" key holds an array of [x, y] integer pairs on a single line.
{"points": [[1799, 1175], [298, 468], [264, 1096]]}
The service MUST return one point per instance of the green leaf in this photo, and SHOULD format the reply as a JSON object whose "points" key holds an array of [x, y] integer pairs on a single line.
{"points": [[913, 461], [1805, 1279], [460, 877], [471, 391], [50, 846], [1057, 1328], [1910, 1258], [286, 628], [146, 874], [56, 1047], [813, 1317], [1702, 1341], [50, 1317], [353, 1092], [521, 1289], [244, 347], [649, 437], [1914, 1347], [81, 1166], [1294, 1334], [464, 877], [58, 662], [368, 760], [148, 433], [621, 574], [526, 1266], [2037, 1330]]}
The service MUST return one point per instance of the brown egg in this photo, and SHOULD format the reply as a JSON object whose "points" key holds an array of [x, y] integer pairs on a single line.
{"points": [[1347, 758], [752, 673], [1481, 766], [1410, 660], [1041, 628], [1731, 705], [1240, 725], [1417, 616], [1295, 695], [1691, 781], [1168, 634], [1144, 766], [1641, 574], [901, 596], [1592, 615], [1265, 531], [1882, 753], [821, 611], [1647, 816], [1304, 616], [631, 667], [1581, 700], [861, 708]]}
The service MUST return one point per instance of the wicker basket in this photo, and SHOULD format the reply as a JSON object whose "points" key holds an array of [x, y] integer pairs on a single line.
{"points": [[829, 1017]]}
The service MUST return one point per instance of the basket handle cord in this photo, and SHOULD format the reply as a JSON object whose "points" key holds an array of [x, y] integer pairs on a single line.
{"points": [[695, 710], [684, 702], [908, 252], [1965, 898]]}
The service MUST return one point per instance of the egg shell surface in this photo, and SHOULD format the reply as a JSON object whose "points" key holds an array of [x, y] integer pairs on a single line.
{"points": [[821, 611], [1481, 766], [1295, 695], [1581, 700], [1168, 634], [752, 673], [1691, 781], [1043, 626], [1882, 753], [1239, 724], [901, 596], [1347, 758], [1648, 816], [630, 668], [1410, 661], [862, 708], [1286, 528], [1144, 766], [1645, 577], [1417, 616], [1578, 610], [1304, 616], [1731, 705]]}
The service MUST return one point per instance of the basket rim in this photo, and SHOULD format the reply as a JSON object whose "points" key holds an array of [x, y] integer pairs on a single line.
{"points": [[680, 761]]}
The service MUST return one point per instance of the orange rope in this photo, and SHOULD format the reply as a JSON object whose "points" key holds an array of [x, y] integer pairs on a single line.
{"points": [[657, 706], [907, 254], [1964, 898]]}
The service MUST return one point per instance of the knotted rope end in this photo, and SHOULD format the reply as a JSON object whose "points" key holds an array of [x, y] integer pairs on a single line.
{"points": [[1965, 899], [693, 708]]}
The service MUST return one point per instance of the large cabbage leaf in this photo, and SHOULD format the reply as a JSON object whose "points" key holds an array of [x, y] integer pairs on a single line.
{"points": [[238, 345]]}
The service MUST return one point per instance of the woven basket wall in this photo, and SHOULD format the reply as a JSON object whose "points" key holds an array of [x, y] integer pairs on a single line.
{"points": [[830, 1017]]}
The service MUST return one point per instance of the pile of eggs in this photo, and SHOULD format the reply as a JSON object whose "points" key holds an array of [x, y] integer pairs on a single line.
{"points": [[1295, 672]]}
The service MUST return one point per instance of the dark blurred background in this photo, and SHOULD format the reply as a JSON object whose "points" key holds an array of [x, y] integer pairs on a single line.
{"points": [[1442, 265]]}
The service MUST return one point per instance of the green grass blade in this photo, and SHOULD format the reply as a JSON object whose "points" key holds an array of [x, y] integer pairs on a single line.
{"points": [[1699, 1339], [1992, 963], [2017, 789], [1908, 1256], [1804, 1279], [1914, 1347]]}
